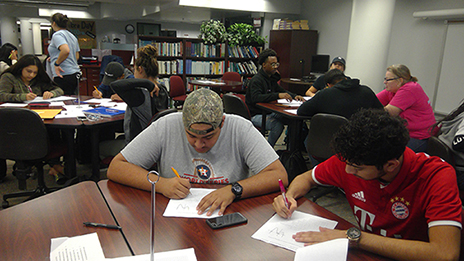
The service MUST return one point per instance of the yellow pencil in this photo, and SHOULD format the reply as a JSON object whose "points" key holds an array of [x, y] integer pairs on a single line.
{"points": [[95, 87], [177, 174]]}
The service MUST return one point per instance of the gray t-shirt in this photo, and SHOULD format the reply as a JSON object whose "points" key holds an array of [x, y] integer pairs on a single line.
{"points": [[239, 152]]}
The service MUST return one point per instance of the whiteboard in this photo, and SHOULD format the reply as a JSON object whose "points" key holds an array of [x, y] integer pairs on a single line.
{"points": [[451, 84]]}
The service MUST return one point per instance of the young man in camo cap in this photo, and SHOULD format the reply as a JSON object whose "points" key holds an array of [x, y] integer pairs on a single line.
{"points": [[204, 146]]}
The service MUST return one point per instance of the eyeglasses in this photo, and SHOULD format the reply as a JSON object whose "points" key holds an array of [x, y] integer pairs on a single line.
{"points": [[391, 79], [275, 64]]}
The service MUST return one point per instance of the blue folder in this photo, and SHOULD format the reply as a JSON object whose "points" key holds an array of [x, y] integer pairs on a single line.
{"points": [[103, 112]]}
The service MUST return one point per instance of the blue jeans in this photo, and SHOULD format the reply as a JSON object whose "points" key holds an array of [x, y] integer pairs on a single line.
{"points": [[417, 145], [274, 124]]}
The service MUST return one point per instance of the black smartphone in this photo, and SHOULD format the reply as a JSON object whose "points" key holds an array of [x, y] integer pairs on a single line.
{"points": [[226, 220]]}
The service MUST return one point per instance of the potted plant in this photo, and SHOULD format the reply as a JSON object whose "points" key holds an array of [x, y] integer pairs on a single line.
{"points": [[213, 31], [243, 34]]}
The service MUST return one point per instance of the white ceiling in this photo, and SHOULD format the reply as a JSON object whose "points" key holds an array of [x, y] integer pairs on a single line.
{"points": [[160, 10]]}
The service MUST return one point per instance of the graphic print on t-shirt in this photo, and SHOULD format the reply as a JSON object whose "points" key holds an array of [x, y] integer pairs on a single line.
{"points": [[204, 173]]}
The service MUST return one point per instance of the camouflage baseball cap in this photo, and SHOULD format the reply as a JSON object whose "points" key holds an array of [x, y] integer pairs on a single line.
{"points": [[202, 106]]}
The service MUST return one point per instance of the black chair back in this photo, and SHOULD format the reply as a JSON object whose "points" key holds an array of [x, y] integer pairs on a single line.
{"points": [[161, 114], [233, 104], [23, 135], [321, 131], [436, 147]]}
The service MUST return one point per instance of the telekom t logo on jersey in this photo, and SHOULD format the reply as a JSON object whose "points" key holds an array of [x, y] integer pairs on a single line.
{"points": [[366, 220]]}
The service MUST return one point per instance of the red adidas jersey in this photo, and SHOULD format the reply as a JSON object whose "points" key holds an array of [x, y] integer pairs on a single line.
{"points": [[423, 194]]}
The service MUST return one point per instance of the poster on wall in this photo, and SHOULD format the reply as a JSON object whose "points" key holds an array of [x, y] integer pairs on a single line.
{"points": [[85, 32]]}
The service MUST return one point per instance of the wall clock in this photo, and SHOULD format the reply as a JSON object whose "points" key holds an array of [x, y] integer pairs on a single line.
{"points": [[130, 28]]}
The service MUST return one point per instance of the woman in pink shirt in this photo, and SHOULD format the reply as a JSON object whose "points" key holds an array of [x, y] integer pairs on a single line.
{"points": [[403, 96]]}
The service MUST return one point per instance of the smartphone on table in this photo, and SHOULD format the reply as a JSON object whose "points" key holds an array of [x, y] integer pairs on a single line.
{"points": [[226, 220]]}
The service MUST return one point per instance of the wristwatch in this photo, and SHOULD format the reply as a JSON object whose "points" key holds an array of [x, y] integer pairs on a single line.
{"points": [[237, 190], [353, 234]]}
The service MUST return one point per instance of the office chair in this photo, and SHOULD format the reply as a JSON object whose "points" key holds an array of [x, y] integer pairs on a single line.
{"points": [[436, 147], [321, 131], [232, 76], [24, 139], [161, 114], [177, 90], [234, 104]]}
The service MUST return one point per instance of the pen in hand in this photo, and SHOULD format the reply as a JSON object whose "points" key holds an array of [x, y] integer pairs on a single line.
{"points": [[282, 189], [91, 224]]}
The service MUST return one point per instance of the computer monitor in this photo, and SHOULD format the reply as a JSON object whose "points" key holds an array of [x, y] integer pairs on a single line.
{"points": [[320, 63]]}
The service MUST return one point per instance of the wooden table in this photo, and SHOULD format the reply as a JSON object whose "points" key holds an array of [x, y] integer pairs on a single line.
{"points": [[296, 85], [27, 228], [69, 125], [218, 85], [295, 138], [131, 208]]}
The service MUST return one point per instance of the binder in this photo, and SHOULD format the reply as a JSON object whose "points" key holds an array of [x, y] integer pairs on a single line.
{"points": [[103, 112]]}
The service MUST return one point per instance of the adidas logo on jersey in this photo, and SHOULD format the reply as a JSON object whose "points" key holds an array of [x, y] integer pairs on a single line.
{"points": [[359, 195]]}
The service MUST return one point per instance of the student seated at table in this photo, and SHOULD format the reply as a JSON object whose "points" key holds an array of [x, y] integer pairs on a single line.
{"points": [[114, 71], [342, 97], [320, 83], [25, 80], [204, 146], [406, 204], [403, 96], [264, 87]]}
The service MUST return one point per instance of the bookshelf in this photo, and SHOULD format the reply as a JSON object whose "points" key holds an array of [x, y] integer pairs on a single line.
{"points": [[192, 59]]}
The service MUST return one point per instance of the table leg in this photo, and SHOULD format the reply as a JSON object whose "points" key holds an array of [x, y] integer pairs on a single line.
{"points": [[95, 151], [70, 159]]}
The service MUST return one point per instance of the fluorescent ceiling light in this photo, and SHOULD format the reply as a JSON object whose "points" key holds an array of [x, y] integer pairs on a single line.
{"points": [[268, 6], [70, 13], [440, 14]]}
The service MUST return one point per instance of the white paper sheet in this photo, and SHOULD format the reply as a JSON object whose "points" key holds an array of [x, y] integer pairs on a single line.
{"points": [[293, 103], [11, 104], [96, 100], [279, 231], [56, 99], [78, 248], [72, 111], [334, 250], [175, 255], [186, 207], [115, 105]]}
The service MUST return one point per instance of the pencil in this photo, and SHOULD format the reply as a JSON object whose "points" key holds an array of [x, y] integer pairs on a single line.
{"points": [[95, 87], [177, 174]]}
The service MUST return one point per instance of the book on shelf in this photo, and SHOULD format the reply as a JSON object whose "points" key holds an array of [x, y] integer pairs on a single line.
{"points": [[103, 112]]}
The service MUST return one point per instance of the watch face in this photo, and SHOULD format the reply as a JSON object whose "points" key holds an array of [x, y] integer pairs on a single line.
{"points": [[130, 28], [353, 233], [237, 189]]}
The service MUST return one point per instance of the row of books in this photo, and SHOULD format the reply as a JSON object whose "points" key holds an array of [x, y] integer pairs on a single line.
{"points": [[286, 24], [244, 51], [170, 67], [247, 67], [205, 50], [164, 48], [204, 67]]}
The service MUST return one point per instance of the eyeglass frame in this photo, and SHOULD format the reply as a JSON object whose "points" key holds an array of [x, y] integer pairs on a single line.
{"points": [[391, 79]]}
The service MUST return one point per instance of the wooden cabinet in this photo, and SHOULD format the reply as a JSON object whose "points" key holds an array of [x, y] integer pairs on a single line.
{"points": [[295, 49], [90, 78]]}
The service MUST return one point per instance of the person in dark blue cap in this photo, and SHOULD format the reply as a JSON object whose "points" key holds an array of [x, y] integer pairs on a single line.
{"points": [[337, 63]]}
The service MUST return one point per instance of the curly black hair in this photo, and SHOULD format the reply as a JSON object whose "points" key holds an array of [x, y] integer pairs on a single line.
{"points": [[371, 137], [265, 54]]}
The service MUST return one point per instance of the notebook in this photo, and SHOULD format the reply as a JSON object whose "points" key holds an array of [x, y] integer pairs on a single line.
{"points": [[103, 112], [47, 114]]}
